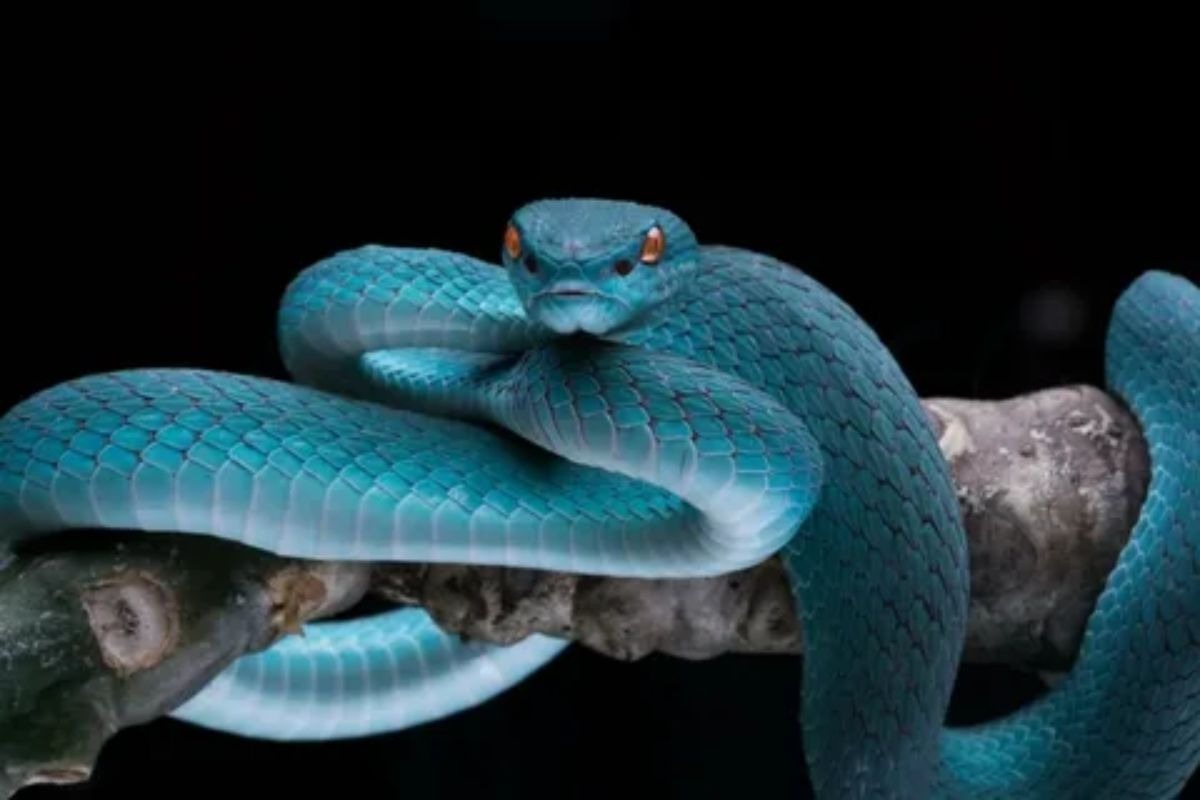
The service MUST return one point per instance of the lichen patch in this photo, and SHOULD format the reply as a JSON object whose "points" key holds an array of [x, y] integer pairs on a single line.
{"points": [[296, 594]]}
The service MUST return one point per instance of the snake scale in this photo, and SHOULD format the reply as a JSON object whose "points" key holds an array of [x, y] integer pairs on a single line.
{"points": [[615, 398]]}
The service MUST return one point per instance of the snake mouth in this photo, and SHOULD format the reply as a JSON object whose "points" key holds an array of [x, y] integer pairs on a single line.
{"points": [[571, 289]]}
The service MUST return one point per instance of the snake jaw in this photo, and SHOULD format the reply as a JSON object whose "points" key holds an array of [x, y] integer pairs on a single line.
{"points": [[573, 308]]}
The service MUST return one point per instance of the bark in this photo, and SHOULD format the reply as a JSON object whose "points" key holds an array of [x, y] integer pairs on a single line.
{"points": [[99, 633]]}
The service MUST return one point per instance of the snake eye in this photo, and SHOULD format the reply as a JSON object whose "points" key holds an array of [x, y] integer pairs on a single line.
{"points": [[653, 246], [512, 241]]}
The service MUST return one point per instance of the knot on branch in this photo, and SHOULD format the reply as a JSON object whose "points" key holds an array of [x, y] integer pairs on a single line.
{"points": [[135, 619]]}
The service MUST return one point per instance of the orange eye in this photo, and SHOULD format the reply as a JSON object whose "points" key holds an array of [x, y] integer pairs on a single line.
{"points": [[512, 241], [653, 245]]}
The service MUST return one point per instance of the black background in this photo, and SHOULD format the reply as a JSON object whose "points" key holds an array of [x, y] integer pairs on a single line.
{"points": [[980, 186]]}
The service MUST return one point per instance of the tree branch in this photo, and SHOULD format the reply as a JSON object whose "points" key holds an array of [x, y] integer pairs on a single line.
{"points": [[100, 633], [1049, 485]]}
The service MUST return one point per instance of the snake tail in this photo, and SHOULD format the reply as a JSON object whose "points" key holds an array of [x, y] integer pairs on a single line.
{"points": [[1125, 723]]}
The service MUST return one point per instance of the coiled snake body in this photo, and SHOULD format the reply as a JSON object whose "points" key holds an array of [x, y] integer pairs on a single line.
{"points": [[621, 400]]}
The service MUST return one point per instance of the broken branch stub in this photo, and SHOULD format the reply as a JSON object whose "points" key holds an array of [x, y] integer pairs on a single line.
{"points": [[119, 630]]}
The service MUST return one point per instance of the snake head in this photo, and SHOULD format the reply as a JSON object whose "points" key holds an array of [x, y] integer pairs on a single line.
{"points": [[593, 265]]}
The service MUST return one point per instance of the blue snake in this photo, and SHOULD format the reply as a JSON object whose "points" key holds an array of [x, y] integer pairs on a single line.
{"points": [[615, 398]]}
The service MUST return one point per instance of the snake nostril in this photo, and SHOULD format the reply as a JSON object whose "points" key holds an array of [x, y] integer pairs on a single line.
{"points": [[623, 267], [531, 263]]}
